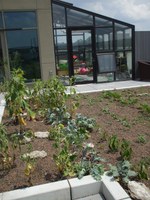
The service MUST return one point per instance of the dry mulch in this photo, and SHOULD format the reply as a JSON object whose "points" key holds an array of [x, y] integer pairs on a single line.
{"points": [[92, 105]]}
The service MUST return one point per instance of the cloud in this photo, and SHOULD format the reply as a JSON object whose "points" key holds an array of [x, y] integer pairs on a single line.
{"points": [[135, 12], [133, 9]]}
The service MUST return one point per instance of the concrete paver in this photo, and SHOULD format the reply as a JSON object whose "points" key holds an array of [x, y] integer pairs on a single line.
{"points": [[93, 87]]}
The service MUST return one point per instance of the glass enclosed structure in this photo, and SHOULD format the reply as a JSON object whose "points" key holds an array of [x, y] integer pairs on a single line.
{"points": [[49, 38], [91, 47]]}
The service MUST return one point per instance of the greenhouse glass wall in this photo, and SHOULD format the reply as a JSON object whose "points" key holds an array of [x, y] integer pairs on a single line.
{"points": [[91, 47]]}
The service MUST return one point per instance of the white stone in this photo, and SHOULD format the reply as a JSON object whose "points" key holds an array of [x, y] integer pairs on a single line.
{"points": [[26, 140], [36, 154], [41, 134], [139, 190]]}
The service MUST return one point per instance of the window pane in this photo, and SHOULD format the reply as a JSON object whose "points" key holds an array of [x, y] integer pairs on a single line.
{"points": [[60, 39], [24, 52], [76, 18], [59, 20], [102, 22], [106, 62], [61, 52], [124, 66], [20, 19], [128, 39], [1, 22], [104, 39], [119, 40], [120, 36]]}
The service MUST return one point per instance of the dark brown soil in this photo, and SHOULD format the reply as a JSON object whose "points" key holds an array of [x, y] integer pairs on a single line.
{"points": [[94, 106]]}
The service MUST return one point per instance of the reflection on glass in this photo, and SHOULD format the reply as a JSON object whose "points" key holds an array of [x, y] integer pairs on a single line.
{"points": [[59, 20], [82, 55], [102, 22], [20, 20], [119, 40], [105, 77], [124, 66], [61, 53], [76, 18], [104, 39], [128, 39], [24, 53], [106, 62]]}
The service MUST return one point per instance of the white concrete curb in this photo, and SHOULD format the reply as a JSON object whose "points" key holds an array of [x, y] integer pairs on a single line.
{"points": [[2, 106], [73, 189]]}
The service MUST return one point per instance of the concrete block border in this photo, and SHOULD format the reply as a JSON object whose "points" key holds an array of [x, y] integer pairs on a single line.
{"points": [[71, 189]]}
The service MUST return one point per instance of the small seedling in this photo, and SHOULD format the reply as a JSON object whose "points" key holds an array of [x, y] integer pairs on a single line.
{"points": [[145, 108], [125, 150], [141, 139], [114, 143]]}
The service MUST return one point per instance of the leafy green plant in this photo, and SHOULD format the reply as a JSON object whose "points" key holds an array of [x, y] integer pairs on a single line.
{"points": [[72, 99], [54, 94], [85, 122], [29, 162], [5, 159], [141, 139], [90, 163], [142, 169], [122, 172], [68, 135], [35, 94], [125, 150], [145, 108], [128, 101], [114, 143], [63, 157], [29, 167], [16, 101], [112, 95]]}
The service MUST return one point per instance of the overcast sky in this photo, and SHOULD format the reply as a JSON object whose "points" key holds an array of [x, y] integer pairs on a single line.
{"points": [[136, 12]]}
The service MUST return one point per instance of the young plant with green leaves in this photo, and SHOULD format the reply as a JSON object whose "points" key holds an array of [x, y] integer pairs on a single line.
{"points": [[142, 169], [29, 167], [29, 163], [145, 108], [16, 98], [141, 139], [122, 172], [125, 150], [112, 95], [68, 139], [64, 156], [90, 163], [114, 143]]}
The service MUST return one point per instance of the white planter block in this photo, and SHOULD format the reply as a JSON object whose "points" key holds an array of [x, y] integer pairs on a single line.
{"points": [[112, 190], [50, 191], [84, 187]]}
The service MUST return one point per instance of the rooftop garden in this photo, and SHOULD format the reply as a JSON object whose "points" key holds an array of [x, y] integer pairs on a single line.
{"points": [[80, 134]]}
